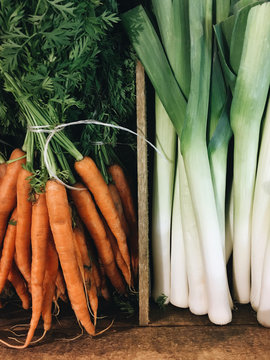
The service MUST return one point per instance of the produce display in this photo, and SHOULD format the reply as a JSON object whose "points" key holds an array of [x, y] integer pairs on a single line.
{"points": [[68, 214], [209, 64], [68, 223]]}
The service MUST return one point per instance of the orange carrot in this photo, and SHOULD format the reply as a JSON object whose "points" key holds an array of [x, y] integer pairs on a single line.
{"points": [[8, 250], [52, 265], [82, 245], [117, 255], [119, 207], [39, 239], [125, 193], [89, 279], [92, 292], [60, 286], [93, 259], [89, 215], [8, 189], [78, 256], [61, 226], [96, 275], [16, 279], [103, 288], [122, 185], [23, 235], [95, 182], [3, 169]]}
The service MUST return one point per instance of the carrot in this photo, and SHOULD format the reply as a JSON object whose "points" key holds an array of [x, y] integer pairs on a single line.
{"points": [[103, 288], [96, 275], [122, 185], [89, 215], [52, 266], [39, 239], [79, 256], [87, 266], [61, 226], [117, 255], [82, 246], [60, 286], [119, 207], [93, 259], [95, 182], [8, 189], [3, 169], [92, 292], [19, 285], [8, 250], [23, 235]]}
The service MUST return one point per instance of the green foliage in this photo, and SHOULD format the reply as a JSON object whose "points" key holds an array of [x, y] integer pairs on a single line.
{"points": [[127, 305], [69, 58], [12, 222], [161, 301], [52, 47]]}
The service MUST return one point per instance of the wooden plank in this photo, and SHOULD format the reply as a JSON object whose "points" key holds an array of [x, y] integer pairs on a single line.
{"points": [[193, 342], [173, 316], [185, 336], [143, 225]]}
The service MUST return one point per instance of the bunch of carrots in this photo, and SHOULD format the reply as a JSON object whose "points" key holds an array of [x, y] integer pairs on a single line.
{"points": [[68, 222], [57, 242]]}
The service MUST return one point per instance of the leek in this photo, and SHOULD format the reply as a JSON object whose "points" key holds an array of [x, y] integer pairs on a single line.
{"points": [[172, 18], [197, 300], [241, 10], [179, 283], [229, 226], [162, 202], [151, 53], [163, 180], [222, 10], [263, 313], [220, 134], [247, 107], [194, 150], [260, 213], [221, 43]]}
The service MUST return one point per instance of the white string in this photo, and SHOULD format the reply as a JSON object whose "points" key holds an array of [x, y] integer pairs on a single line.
{"points": [[53, 131]]}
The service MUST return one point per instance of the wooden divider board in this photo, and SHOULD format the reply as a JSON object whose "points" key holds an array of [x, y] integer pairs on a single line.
{"points": [[143, 223]]}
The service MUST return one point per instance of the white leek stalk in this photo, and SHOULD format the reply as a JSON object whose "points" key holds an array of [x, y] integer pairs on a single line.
{"points": [[195, 155], [179, 284], [263, 313], [197, 300], [247, 107], [163, 178], [220, 133], [229, 227], [260, 214]]}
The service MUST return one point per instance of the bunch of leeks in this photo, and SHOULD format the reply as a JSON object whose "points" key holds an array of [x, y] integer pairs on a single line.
{"points": [[209, 63]]}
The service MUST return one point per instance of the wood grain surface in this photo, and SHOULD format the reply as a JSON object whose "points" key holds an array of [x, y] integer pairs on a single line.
{"points": [[142, 169], [172, 334]]}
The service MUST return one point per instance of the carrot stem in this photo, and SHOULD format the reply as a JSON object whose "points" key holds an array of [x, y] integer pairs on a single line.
{"points": [[13, 160], [2, 159]]}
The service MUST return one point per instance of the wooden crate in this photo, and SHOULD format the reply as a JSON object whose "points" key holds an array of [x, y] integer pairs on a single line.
{"points": [[171, 333], [150, 315]]}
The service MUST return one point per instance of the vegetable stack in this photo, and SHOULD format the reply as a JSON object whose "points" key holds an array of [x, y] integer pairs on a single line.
{"points": [[209, 63], [67, 220]]}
